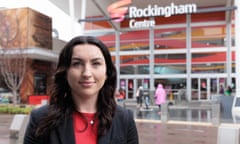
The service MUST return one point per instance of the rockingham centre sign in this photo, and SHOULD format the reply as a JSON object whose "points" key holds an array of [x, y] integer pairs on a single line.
{"points": [[118, 9], [155, 10]]}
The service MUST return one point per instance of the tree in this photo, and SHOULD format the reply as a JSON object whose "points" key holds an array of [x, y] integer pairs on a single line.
{"points": [[13, 67], [12, 60]]}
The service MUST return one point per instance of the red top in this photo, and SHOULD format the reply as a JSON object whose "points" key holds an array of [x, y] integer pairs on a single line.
{"points": [[85, 128]]}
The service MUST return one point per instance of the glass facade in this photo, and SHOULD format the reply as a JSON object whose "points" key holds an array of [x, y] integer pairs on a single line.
{"points": [[170, 38], [214, 62], [162, 55], [170, 64], [208, 36]]}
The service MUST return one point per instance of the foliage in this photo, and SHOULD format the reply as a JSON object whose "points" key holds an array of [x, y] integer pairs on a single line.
{"points": [[15, 109]]}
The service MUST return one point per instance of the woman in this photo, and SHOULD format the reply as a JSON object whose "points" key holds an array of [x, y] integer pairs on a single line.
{"points": [[82, 108], [160, 96]]}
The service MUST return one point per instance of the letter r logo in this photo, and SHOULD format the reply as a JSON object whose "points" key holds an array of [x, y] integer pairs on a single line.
{"points": [[117, 9]]}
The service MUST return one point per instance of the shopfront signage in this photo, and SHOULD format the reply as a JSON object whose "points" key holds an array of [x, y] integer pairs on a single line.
{"points": [[117, 11]]}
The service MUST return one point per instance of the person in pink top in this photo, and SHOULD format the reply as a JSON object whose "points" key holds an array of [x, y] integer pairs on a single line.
{"points": [[160, 96]]}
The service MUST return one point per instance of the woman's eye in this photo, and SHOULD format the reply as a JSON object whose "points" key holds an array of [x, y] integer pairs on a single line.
{"points": [[96, 63], [75, 63]]}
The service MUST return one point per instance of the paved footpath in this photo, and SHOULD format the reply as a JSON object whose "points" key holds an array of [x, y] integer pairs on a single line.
{"points": [[5, 122], [151, 132], [176, 132]]}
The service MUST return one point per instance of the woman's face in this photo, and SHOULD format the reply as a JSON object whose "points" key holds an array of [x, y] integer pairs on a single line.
{"points": [[87, 72]]}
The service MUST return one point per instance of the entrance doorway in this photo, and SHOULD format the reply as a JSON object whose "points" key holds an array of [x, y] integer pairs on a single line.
{"points": [[130, 86], [127, 85], [200, 88], [205, 89]]}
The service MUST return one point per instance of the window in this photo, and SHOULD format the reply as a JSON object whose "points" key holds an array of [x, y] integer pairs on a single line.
{"points": [[40, 84]]}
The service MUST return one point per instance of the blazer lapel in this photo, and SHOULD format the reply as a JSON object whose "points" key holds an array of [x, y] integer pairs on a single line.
{"points": [[66, 132]]}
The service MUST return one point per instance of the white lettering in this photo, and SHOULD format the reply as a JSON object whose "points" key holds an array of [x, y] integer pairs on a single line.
{"points": [[132, 12], [145, 12], [166, 11], [131, 23], [141, 24], [180, 10]]}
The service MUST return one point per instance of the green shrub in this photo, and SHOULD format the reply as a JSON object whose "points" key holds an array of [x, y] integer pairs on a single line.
{"points": [[15, 109], [3, 109]]}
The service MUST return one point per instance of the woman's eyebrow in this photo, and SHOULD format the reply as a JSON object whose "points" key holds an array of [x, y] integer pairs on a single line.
{"points": [[94, 59], [76, 58]]}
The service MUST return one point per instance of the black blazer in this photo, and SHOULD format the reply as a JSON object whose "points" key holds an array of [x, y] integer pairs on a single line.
{"points": [[122, 131]]}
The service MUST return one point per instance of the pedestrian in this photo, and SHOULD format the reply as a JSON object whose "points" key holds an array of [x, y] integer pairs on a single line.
{"points": [[122, 93], [160, 96], [82, 108], [228, 91], [181, 95], [139, 96], [117, 95], [221, 91]]}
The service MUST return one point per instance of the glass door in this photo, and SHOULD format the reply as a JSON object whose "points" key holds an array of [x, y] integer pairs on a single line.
{"points": [[200, 89], [204, 89], [130, 86], [130, 90], [127, 87]]}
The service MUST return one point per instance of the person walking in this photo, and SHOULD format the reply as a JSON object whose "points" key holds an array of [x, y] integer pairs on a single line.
{"points": [[139, 96], [82, 108], [160, 96]]}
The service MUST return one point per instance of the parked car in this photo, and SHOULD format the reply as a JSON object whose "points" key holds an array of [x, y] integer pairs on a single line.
{"points": [[5, 95]]}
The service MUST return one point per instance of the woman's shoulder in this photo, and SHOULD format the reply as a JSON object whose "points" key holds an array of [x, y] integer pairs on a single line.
{"points": [[40, 111], [123, 113], [120, 109], [124, 124]]}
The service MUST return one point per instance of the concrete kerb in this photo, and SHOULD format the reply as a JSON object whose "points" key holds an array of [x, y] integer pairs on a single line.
{"points": [[213, 106]]}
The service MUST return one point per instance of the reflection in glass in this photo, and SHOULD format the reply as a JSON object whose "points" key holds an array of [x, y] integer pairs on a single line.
{"points": [[209, 62], [170, 64], [174, 38], [137, 64]]}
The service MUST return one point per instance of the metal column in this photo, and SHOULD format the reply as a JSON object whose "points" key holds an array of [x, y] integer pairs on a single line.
{"points": [[117, 56], [83, 13], [229, 53], [188, 56], [151, 60]]}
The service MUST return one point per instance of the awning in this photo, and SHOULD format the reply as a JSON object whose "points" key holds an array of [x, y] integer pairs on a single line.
{"points": [[32, 53]]}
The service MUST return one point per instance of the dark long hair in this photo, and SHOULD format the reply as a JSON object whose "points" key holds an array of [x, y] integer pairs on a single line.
{"points": [[61, 102]]}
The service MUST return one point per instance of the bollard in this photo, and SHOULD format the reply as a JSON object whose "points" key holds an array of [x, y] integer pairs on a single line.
{"points": [[228, 134], [18, 128], [216, 114], [164, 112]]}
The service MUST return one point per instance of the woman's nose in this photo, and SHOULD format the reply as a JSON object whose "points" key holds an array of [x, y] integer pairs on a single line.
{"points": [[87, 71]]}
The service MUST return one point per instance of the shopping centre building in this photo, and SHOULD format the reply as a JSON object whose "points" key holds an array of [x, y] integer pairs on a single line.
{"points": [[181, 44]]}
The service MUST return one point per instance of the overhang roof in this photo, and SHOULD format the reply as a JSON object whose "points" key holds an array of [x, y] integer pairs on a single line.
{"points": [[33, 53], [98, 8]]}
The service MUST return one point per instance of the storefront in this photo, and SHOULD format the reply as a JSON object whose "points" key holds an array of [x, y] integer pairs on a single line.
{"points": [[27, 59], [179, 45]]}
